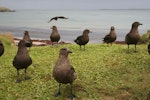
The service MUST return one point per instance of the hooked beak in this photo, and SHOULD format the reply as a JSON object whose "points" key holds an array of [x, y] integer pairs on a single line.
{"points": [[140, 24]]}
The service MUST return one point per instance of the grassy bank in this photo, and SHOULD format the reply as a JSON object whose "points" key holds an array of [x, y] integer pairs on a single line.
{"points": [[104, 73]]}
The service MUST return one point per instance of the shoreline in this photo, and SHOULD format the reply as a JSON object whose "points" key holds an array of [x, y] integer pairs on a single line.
{"points": [[37, 42], [41, 36]]}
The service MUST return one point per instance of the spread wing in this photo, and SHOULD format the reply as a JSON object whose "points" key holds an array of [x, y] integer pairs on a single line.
{"points": [[55, 18], [62, 17]]}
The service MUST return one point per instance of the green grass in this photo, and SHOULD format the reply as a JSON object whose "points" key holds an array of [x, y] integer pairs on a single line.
{"points": [[145, 38], [104, 73]]}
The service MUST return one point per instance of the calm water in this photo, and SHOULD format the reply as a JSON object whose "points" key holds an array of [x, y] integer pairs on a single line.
{"points": [[98, 21]]}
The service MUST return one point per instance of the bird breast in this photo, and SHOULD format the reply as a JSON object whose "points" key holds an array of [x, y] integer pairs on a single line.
{"points": [[64, 74], [134, 35], [85, 38], [62, 60]]}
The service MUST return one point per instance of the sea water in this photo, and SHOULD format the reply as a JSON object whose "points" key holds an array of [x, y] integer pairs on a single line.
{"points": [[97, 21]]}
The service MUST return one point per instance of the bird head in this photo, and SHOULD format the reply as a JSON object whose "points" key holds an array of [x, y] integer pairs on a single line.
{"points": [[53, 27], [112, 28], [26, 32], [65, 51], [86, 31], [22, 43], [136, 24]]}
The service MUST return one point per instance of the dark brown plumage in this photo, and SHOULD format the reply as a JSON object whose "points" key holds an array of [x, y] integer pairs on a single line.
{"points": [[26, 37], [111, 37], [54, 37], [148, 48], [22, 60], [63, 71], [1, 48], [57, 17], [133, 36], [83, 39]]}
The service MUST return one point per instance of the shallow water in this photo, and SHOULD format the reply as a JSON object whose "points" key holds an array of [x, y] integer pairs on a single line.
{"points": [[98, 21]]}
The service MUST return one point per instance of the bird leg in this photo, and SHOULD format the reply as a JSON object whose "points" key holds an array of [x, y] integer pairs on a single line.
{"points": [[135, 48], [72, 92], [107, 44], [52, 43], [26, 77], [111, 43], [84, 47], [80, 47], [128, 49], [58, 93], [18, 79]]}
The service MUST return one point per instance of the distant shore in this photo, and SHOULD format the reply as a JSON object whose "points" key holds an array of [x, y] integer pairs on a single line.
{"points": [[5, 9]]}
